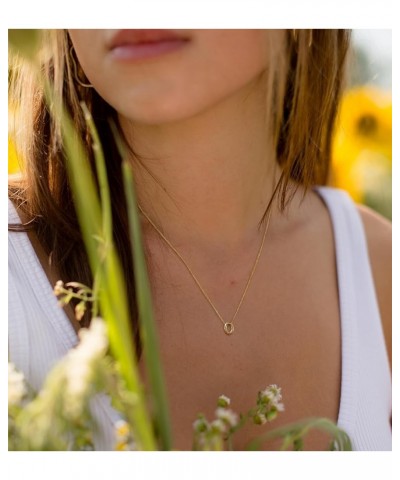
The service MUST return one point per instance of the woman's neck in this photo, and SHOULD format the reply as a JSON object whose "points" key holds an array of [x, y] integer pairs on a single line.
{"points": [[207, 179]]}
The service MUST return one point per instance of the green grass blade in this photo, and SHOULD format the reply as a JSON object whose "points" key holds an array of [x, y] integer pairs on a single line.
{"points": [[111, 285], [106, 268], [101, 176], [146, 316], [96, 228]]}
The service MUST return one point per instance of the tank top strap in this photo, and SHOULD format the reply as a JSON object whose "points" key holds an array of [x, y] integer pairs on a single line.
{"points": [[350, 255], [364, 357]]}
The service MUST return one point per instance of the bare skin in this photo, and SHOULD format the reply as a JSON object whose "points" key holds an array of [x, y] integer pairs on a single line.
{"points": [[288, 331], [216, 176]]}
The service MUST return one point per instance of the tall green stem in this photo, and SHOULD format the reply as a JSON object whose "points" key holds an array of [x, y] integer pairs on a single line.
{"points": [[146, 315], [95, 223]]}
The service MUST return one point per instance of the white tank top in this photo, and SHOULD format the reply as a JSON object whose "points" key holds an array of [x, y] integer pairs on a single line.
{"points": [[40, 333]]}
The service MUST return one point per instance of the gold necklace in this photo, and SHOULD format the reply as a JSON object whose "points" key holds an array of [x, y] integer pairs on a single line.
{"points": [[228, 326]]}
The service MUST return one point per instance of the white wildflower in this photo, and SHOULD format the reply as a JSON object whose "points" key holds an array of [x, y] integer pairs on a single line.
{"points": [[94, 341], [228, 416], [122, 430], [77, 375], [123, 436], [223, 401], [80, 364], [218, 426], [268, 404], [16, 385], [272, 395], [58, 288]]}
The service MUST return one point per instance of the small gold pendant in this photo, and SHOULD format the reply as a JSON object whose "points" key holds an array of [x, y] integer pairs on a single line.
{"points": [[229, 328]]}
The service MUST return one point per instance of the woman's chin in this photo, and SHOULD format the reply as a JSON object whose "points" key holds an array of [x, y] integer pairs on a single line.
{"points": [[158, 113]]}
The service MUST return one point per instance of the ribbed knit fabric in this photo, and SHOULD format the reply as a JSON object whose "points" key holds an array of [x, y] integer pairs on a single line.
{"points": [[366, 397], [40, 332]]}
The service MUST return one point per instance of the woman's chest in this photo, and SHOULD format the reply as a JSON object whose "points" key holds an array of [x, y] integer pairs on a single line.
{"points": [[287, 332]]}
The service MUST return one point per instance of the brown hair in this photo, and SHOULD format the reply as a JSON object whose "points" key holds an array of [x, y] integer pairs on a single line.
{"points": [[306, 91]]}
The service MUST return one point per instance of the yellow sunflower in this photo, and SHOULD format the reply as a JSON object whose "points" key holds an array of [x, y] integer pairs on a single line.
{"points": [[13, 163], [14, 160], [362, 146]]}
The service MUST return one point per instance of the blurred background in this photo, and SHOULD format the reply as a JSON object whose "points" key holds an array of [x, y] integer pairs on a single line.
{"points": [[362, 147]]}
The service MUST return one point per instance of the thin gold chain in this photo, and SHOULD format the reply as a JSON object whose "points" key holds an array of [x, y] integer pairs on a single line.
{"points": [[228, 326]]}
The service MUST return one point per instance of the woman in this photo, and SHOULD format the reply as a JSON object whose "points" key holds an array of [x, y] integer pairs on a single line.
{"points": [[259, 274]]}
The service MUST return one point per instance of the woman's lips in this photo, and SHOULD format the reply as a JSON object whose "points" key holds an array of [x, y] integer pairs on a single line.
{"points": [[130, 45]]}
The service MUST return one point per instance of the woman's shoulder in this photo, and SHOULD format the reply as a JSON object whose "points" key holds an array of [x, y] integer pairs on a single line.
{"points": [[378, 232]]}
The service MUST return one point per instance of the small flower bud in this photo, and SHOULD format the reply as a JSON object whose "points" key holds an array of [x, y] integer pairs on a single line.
{"points": [[259, 419], [223, 401], [201, 425], [80, 310], [58, 288]]}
